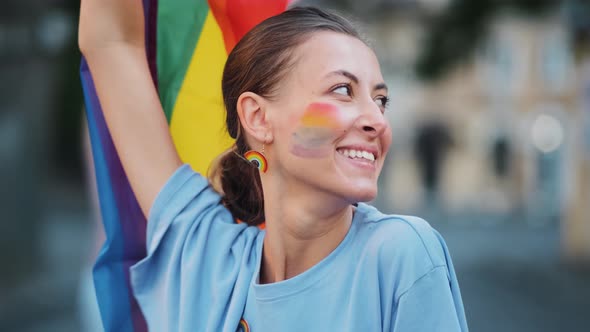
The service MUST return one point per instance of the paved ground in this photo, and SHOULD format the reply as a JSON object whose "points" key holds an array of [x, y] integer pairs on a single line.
{"points": [[512, 280], [510, 276]]}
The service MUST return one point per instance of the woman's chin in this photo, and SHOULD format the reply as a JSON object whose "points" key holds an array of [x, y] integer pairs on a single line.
{"points": [[362, 195]]}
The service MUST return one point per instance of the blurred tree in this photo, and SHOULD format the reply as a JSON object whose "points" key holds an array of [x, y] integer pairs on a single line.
{"points": [[453, 35], [453, 31], [578, 13]]}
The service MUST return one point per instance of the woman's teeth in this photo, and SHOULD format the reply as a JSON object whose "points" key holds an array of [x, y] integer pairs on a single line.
{"points": [[354, 154]]}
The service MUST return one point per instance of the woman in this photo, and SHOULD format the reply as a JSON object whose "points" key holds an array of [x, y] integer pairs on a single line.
{"points": [[305, 101]]}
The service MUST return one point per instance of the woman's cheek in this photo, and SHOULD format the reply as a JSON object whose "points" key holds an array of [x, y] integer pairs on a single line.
{"points": [[319, 126], [387, 139]]}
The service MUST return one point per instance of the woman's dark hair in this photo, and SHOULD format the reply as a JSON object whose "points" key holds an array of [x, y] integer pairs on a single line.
{"points": [[257, 64]]}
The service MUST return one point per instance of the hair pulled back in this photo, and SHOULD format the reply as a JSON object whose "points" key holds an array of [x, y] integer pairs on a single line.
{"points": [[257, 64]]}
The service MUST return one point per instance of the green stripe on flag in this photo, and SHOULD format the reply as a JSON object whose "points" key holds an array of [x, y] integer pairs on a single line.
{"points": [[180, 23]]}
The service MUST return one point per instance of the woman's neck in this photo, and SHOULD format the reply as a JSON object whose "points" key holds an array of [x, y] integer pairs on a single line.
{"points": [[301, 230]]}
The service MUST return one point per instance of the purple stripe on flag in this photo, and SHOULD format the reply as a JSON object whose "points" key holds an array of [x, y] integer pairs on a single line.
{"points": [[124, 223]]}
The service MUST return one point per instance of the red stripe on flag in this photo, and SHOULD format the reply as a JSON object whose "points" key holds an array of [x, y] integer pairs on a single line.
{"points": [[237, 17]]}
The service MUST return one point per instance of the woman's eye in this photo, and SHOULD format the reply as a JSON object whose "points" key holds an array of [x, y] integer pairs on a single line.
{"points": [[343, 90], [382, 101]]}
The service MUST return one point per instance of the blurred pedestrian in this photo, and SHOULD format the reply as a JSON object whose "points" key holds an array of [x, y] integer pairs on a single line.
{"points": [[432, 141]]}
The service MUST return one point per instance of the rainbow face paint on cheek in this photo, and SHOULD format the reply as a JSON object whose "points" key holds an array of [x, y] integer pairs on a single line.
{"points": [[319, 125]]}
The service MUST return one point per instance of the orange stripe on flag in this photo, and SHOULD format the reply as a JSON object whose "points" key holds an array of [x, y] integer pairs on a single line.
{"points": [[237, 17]]}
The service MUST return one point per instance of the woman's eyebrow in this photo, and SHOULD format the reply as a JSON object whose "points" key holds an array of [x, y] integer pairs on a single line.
{"points": [[381, 86], [352, 77], [346, 74]]}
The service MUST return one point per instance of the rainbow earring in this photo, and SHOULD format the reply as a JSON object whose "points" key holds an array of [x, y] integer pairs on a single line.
{"points": [[257, 159]]}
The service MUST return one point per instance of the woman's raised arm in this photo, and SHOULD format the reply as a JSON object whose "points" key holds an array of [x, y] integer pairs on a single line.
{"points": [[111, 38]]}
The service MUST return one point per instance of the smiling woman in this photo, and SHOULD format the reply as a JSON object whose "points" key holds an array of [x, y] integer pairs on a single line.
{"points": [[305, 99]]}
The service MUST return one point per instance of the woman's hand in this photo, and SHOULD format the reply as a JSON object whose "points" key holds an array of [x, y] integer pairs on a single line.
{"points": [[112, 40], [110, 23]]}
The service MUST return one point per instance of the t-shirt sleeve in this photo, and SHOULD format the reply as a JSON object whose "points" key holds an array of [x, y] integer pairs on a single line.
{"points": [[196, 254], [433, 302], [428, 306]]}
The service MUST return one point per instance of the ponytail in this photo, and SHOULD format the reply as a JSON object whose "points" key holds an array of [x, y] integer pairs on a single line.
{"points": [[239, 182]]}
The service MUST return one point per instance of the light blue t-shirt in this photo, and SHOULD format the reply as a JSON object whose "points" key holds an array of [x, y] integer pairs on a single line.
{"points": [[390, 273]]}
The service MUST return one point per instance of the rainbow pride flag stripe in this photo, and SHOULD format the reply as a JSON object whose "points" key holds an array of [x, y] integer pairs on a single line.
{"points": [[321, 115], [187, 45]]}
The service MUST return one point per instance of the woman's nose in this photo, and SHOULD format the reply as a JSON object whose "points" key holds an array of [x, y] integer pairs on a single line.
{"points": [[372, 121]]}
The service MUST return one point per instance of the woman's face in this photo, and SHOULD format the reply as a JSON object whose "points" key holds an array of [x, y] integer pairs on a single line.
{"points": [[329, 131]]}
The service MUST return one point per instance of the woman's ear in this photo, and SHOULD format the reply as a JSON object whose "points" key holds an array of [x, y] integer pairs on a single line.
{"points": [[253, 116]]}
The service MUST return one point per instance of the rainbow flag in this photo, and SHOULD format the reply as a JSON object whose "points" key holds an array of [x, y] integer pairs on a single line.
{"points": [[187, 43]]}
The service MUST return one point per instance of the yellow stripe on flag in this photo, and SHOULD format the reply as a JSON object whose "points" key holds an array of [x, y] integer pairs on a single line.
{"points": [[198, 119]]}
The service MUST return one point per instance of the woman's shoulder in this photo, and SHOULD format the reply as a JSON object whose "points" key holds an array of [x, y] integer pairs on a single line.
{"points": [[187, 206], [181, 188], [414, 269], [402, 239]]}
